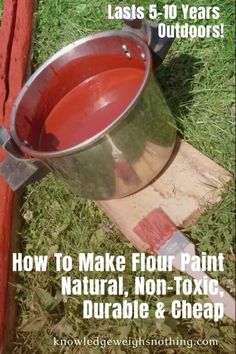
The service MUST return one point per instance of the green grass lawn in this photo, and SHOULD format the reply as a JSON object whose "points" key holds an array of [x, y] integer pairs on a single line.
{"points": [[198, 80]]}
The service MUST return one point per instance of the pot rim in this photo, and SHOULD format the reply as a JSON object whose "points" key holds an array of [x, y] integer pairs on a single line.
{"points": [[94, 139]]}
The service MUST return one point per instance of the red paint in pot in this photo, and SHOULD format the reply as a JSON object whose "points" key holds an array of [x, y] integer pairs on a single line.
{"points": [[89, 108]]}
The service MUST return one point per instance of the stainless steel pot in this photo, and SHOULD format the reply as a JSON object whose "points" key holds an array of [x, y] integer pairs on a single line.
{"points": [[115, 162]]}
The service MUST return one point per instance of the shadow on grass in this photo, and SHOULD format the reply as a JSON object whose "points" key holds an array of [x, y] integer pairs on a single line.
{"points": [[176, 79]]}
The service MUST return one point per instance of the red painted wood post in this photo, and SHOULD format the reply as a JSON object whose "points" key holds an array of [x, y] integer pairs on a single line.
{"points": [[15, 41]]}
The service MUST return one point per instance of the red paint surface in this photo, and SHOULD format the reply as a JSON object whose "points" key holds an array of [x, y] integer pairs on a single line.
{"points": [[19, 52], [15, 38], [89, 108], [155, 229], [6, 37]]}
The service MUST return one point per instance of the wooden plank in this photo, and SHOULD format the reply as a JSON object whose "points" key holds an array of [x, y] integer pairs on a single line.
{"points": [[189, 183], [6, 196], [20, 52], [6, 38], [15, 39], [11, 303]]}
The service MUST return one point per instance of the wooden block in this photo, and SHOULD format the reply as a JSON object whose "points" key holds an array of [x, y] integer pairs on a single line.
{"points": [[189, 183]]}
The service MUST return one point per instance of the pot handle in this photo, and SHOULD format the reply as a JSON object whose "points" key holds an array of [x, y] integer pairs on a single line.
{"points": [[149, 32], [16, 170], [138, 27]]}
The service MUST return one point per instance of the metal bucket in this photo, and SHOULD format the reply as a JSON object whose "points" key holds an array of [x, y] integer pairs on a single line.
{"points": [[118, 159]]}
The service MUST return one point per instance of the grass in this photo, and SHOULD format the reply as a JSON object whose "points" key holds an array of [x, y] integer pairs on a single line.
{"points": [[197, 78], [1, 10]]}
